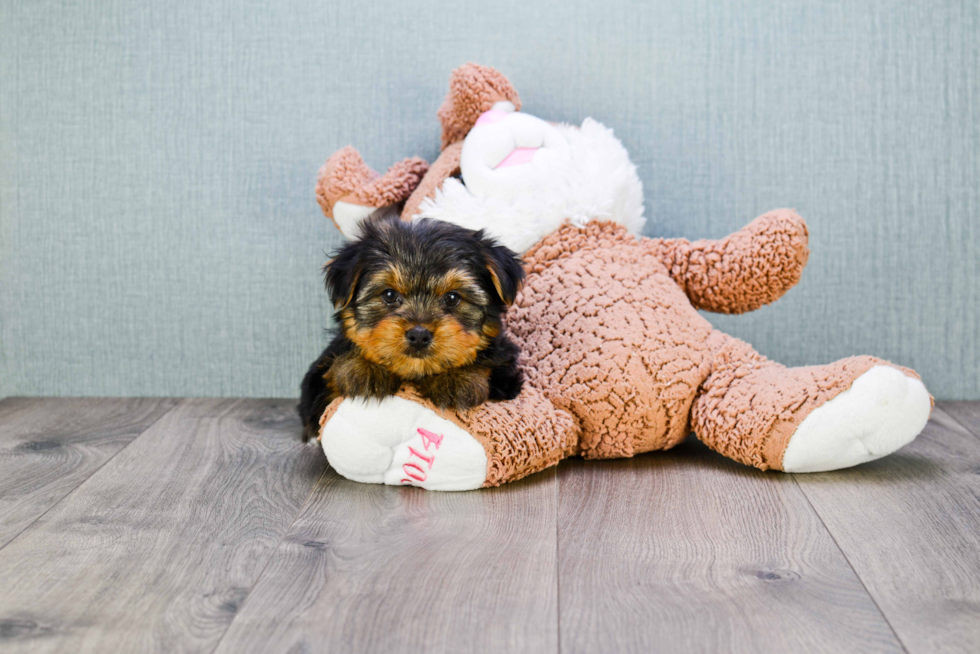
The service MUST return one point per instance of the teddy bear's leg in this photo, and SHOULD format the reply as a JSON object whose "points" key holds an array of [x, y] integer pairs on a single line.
{"points": [[807, 419], [348, 190], [405, 440]]}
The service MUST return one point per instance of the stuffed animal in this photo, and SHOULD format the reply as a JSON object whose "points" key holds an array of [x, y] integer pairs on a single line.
{"points": [[616, 357]]}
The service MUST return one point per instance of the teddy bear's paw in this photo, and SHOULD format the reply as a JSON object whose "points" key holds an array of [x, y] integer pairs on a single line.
{"points": [[397, 442], [882, 410]]}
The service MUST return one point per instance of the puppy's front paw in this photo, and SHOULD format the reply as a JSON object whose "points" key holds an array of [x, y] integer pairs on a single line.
{"points": [[462, 388], [353, 376]]}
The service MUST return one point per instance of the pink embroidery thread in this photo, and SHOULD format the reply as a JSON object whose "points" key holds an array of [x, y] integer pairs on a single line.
{"points": [[428, 438], [428, 459], [417, 467]]}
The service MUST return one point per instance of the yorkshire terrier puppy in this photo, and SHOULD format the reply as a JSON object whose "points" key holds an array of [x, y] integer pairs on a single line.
{"points": [[419, 301]]}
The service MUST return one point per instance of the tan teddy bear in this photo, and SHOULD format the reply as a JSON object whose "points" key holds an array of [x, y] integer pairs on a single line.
{"points": [[617, 359]]}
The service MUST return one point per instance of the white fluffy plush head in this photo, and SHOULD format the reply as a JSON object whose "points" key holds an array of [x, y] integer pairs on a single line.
{"points": [[523, 178]]}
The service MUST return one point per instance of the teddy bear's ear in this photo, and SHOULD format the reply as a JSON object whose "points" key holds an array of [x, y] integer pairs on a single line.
{"points": [[473, 89]]}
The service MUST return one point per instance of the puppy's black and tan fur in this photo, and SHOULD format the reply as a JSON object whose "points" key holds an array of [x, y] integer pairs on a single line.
{"points": [[420, 302]]}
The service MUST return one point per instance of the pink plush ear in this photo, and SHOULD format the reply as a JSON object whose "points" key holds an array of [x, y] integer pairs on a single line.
{"points": [[473, 89]]}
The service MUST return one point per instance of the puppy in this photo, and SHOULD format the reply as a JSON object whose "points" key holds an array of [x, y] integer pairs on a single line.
{"points": [[420, 301]]}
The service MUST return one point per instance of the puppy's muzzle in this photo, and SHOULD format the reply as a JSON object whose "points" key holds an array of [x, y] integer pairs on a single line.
{"points": [[419, 338]]}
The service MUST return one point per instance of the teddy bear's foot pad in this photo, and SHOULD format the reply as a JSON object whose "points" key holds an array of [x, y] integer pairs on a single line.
{"points": [[397, 442], [882, 410]]}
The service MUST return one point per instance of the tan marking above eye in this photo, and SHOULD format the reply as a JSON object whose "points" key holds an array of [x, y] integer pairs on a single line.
{"points": [[395, 279], [453, 281], [461, 282], [379, 282]]}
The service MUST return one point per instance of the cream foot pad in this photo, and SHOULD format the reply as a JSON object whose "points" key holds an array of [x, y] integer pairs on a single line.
{"points": [[882, 410], [398, 442]]}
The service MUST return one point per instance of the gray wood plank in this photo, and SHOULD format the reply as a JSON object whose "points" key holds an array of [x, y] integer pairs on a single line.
{"points": [[686, 551], [965, 413], [10, 404], [156, 550], [910, 526], [382, 569], [48, 446]]}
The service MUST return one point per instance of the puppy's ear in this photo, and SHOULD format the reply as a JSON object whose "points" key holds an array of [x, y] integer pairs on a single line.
{"points": [[341, 275], [506, 269]]}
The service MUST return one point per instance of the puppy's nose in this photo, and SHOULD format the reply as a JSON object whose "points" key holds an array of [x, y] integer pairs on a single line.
{"points": [[418, 337]]}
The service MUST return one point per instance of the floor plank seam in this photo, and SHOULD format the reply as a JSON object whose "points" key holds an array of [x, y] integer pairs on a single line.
{"points": [[970, 429], [274, 551], [851, 566], [558, 556], [86, 480]]}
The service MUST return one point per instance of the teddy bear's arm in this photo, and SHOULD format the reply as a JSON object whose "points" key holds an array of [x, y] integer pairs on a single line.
{"points": [[743, 271]]}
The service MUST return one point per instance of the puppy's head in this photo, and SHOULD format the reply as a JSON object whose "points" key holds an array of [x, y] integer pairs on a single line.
{"points": [[423, 297]]}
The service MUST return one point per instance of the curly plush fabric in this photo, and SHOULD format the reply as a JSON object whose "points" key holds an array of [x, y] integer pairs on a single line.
{"points": [[473, 89], [742, 272], [346, 177], [610, 338]]}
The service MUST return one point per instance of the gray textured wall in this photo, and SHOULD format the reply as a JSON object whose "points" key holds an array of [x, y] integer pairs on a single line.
{"points": [[158, 230]]}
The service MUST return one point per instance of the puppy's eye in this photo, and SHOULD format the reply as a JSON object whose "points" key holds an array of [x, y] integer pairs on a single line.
{"points": [[452, 298], [390, 297]]}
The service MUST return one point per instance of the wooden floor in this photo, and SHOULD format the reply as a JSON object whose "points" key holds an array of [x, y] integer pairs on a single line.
{"points": [[203, 525]]}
